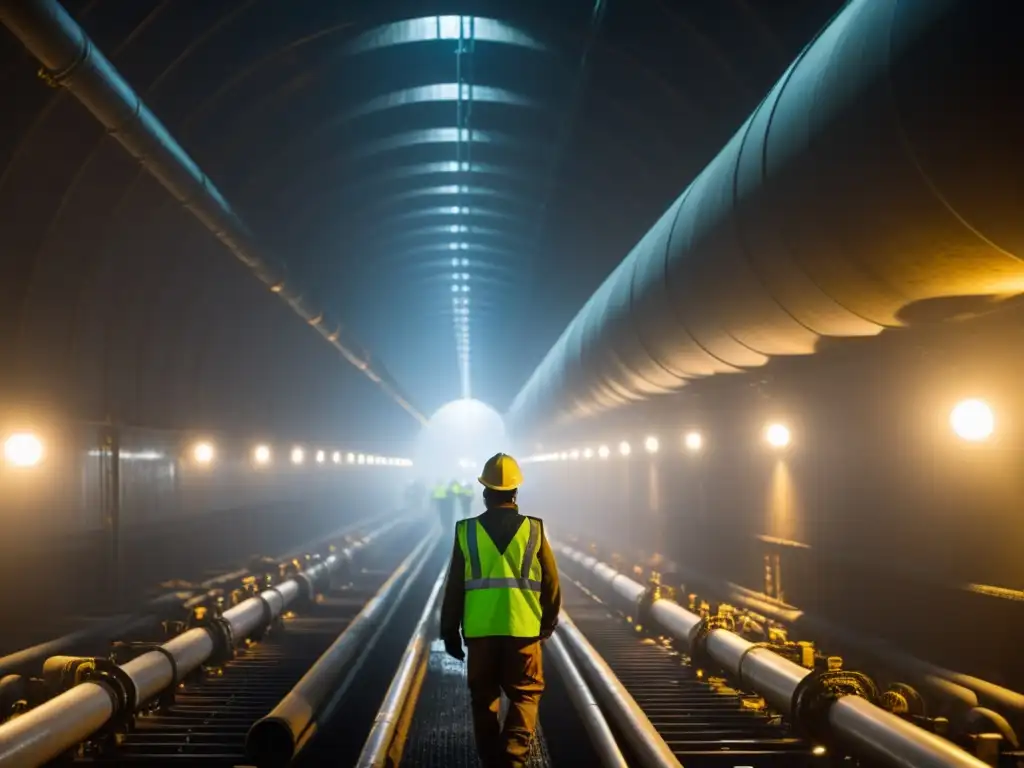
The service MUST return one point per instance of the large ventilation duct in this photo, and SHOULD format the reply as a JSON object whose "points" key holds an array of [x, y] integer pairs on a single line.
{"points": [[70, 59], [883, 174]]}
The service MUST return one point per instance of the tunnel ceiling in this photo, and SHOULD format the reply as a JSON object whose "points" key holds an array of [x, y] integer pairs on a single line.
{"points": [[452, 180]]}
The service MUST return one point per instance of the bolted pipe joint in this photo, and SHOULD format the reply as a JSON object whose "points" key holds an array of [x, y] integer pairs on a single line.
{"points": [[644, 603], [61, 673], [223, 637], [698, 640], [816, 694]]}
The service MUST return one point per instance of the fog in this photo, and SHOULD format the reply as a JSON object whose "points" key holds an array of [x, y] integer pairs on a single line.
{"points": [[457, 440]]}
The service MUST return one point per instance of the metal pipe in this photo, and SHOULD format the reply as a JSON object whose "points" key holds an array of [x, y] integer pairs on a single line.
{"points": [[378, 748], [962, 691], [865, 729], [275, 739], [71, 60], [644, 740], [601, 736], [65, 720], [830, 213], [890, 740]]}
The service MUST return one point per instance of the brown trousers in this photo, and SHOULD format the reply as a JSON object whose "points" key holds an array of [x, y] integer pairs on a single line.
{"points": [[514, 666]]}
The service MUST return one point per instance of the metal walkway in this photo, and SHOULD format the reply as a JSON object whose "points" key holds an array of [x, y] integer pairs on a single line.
{"points": [[441, 735]]}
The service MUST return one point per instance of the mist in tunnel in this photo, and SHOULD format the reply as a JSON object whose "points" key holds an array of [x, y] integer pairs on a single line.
{"points": [[457, 439]]}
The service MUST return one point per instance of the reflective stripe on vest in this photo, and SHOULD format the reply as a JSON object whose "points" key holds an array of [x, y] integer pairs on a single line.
{"points": [[503, 591]]}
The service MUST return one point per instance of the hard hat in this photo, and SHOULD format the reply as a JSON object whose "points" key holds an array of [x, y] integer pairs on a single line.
{"points": [[501, 473]]}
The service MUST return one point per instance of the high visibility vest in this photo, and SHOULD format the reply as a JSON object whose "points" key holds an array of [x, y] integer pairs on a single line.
{"points": [[502, 588], [441, 492]]}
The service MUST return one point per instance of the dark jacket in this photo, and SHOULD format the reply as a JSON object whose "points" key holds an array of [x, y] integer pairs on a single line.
{"points": [[501, 524]]}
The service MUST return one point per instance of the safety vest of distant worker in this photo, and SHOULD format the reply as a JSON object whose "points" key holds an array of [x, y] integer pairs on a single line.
{"points": [[440, 492], [502, 588]]}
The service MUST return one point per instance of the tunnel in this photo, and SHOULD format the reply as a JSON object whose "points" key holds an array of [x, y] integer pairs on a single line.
{"points": [[737, 285]]}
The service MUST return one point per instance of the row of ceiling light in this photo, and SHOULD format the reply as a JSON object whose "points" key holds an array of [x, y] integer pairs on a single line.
{"points": [[776, 435], [26, 449], [971, 420]]}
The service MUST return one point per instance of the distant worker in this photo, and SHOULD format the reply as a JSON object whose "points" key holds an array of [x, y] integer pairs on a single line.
{"points": [[445, 505], [502, 590], [465, 499]]}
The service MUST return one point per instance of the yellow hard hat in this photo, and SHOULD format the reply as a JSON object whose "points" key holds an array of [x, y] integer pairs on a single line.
{"points": [[501, 473]]}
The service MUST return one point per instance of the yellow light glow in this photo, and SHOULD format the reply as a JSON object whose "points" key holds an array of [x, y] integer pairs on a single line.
{"points": [[203, 453], [574, 454], [23, 449], [694, 441], [261, 454], [336, 457], [361, 459], [319, 457], [298, 455], [777, 435], [624, 448], [588, 453], [350, 458], [651, 444], [972, 420], [603, 452]]}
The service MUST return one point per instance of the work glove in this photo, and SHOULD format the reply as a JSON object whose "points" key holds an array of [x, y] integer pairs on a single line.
{"points": [[454, 649]]}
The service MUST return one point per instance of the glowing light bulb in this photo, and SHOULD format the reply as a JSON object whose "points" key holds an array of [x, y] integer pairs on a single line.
{"points": [[972, 420], [203, 453], [777, 435], [23, 449]]}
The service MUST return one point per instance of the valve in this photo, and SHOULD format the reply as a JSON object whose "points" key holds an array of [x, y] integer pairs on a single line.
{"points": [[902, 700]]}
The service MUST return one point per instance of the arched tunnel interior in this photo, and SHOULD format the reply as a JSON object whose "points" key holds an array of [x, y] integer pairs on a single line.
{"points": [[736, 282]]}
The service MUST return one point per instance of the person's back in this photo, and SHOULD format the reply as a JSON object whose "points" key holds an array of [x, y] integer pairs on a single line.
{"points": [[503, 592]]}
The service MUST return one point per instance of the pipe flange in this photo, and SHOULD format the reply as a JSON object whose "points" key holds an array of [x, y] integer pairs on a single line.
{"points": [[268, 611], [223, 641], [646, 601], [818, 691], [120, 685], [698, 640]]}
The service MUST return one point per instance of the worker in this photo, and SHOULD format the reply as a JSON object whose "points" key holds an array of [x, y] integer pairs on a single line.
{"points": [[445, 505], [455, 491], [465, 498], [502, 590]]}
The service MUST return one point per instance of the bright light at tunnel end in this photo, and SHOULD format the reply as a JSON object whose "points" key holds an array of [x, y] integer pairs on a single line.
{"points": [[972, 420]]}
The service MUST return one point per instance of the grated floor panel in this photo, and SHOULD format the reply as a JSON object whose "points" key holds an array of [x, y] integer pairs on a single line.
{"points": [[441, 735]]}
